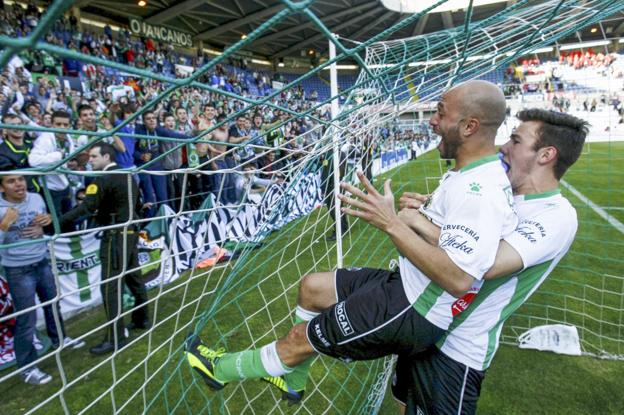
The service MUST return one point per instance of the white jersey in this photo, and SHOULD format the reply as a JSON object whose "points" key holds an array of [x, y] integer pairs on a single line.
{"points": [[546, 230], [474, 209]]}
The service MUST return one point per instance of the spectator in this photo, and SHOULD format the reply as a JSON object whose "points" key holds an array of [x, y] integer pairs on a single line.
{"points": [[183, 124], [88, 122], [155, 187], [28, 271], [223, 182], [124, 144], [169, 121], [14, 151], [240, 134], [210, 113], [251, 184], [200, 185], [50, 149]]}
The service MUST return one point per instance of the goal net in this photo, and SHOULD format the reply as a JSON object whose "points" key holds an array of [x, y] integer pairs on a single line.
{"points": [[224, 261]]}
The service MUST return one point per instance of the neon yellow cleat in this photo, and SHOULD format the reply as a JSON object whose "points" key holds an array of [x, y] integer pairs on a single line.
{"points": [[203, 360]]}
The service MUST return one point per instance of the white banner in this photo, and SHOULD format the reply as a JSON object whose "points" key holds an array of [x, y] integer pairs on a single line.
{"points": [[118, 91], [78, 265], [184, 70]]}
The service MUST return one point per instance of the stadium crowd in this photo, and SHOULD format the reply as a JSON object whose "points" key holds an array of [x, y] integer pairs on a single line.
{"points": [[33, 93]]}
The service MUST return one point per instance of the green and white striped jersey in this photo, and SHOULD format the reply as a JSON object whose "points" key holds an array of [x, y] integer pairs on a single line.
{"points": [[474, 209], [546, 231]]}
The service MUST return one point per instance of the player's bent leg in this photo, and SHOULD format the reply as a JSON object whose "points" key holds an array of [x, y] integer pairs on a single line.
{"points": [[317, 292], [374, 320]]}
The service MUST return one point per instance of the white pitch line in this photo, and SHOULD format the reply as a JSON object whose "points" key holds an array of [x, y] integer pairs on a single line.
{"points": [[600, 211]]}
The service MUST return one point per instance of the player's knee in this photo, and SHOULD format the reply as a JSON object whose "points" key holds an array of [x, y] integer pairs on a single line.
{"points": [[316, 291]]}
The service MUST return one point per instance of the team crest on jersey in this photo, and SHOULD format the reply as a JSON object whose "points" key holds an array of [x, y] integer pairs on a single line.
{"points": [[343, 320], [475, 188]]}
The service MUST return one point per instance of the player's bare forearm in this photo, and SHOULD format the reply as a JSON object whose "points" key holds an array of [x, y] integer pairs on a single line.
{"points": [[419, 223], [507, 261], [431, 260]]}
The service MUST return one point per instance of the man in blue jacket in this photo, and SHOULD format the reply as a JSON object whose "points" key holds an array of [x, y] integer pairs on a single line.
{"points": [[153, 186]]}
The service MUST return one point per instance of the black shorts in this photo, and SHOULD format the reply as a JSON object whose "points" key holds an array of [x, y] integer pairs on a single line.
{"points": [[431, 383], [371, 319]]}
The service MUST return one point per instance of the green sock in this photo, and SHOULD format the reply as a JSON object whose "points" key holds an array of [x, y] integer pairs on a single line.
{"points": [[241, 365], [299, 376]]}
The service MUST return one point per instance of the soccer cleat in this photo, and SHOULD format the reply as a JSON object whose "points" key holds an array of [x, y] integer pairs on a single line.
{"points": [[290, 395], [203, 360]]}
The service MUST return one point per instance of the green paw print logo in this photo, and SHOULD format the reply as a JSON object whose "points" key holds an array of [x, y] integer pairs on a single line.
{"points": [[475, 187]]}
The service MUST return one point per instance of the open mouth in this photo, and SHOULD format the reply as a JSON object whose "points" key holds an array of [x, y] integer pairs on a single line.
{"points": [[506, 165], [504, 162]]}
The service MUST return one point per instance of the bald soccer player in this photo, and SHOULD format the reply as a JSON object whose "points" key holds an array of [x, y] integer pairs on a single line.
{"points": [[363, 313]]}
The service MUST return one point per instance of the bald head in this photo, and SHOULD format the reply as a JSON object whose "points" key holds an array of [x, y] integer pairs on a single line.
{"points": [[481, 100]]}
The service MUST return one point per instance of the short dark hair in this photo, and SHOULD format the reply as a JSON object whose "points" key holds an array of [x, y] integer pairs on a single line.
{"points": [[146, 113], [128, 108], [106, 148], [565, 132], [167, 114], [60, 114], [9, 169], [84, 107], [31, 104], [10, 116]]}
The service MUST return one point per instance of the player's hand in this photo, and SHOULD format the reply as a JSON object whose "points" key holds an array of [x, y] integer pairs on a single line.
{"points": [[32, 232], [42, 219], [9, 219], [411, 200], [373, 207], [146, 157]]}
